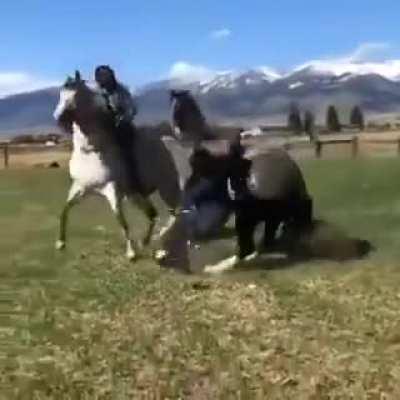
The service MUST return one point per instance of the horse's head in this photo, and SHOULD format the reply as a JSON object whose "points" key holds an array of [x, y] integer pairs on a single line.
{"points": [[74, 96], [187, 117], [178, 95], [66, 107]]}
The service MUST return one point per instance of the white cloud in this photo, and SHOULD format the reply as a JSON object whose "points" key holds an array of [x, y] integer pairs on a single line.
{"points": [[368, 51], [20, 82], [365, 59], [188, 73], [221, 33]]}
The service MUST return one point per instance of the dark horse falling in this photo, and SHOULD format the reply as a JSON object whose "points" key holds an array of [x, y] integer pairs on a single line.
{"points": [[268, 189]]}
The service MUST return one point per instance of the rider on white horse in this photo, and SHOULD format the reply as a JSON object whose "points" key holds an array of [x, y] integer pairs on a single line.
{"points": [[123, 108]]}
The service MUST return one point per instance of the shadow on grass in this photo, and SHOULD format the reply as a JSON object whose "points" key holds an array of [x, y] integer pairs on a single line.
{"points": [[323, 241]]}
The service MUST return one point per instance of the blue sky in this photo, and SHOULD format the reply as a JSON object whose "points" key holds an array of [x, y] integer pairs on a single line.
{"points": [[43, 40]]}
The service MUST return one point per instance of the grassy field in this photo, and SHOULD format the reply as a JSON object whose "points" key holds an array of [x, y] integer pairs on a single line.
{"points": [[86, 324]]}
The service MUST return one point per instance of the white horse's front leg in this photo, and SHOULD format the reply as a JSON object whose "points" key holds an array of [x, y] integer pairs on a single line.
{"points": [[110, 193], [75, 193]]}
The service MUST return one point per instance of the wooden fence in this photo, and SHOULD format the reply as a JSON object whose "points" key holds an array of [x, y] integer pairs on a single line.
{"points": [[6, 153], [319, 145], [9, 152], [354, 142]]}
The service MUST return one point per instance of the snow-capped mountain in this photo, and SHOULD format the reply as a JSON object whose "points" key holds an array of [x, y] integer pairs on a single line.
{"points": [[258, 94], [313, 73], [223, 80], [232, 80], [262, 93]]}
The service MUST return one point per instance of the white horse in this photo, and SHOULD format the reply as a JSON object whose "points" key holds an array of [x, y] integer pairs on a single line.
{"points": [[96, 164]]}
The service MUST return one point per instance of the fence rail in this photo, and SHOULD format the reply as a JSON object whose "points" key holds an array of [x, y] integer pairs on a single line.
{"points": [[9, 150], [354, 142]]}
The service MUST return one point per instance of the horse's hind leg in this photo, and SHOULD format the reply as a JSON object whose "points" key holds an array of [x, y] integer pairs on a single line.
{"points": [[110, 193], [302, 211], [271, 226], [74, 195]]}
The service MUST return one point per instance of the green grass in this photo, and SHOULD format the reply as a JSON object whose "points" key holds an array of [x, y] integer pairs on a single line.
{"points": [[86, 324]]}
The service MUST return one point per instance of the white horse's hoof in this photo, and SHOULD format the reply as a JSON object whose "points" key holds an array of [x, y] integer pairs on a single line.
{"points": [[60, 245], [131, 255]]}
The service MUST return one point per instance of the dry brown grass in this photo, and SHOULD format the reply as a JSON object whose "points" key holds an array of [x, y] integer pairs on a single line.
{"points": [[155, 335], [88, 325]]}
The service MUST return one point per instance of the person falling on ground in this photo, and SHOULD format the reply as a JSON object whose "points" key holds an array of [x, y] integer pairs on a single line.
{"points": [[206, 203], [122, 106], [208, 186]]}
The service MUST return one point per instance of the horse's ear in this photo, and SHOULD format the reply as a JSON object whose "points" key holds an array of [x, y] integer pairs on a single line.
{"points": [[78, 77]]}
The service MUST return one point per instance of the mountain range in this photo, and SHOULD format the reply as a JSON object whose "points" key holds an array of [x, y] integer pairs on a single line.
{"points": [[254, 96]]}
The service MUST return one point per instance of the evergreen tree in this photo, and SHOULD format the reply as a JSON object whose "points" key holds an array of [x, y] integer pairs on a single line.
{"points": [[294, 120], [357, 117], [332, 120], [309, 124]]}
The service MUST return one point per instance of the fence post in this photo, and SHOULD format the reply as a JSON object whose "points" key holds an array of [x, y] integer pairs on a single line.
{"points": [[318, 149], [354, 147], [6, 155]]}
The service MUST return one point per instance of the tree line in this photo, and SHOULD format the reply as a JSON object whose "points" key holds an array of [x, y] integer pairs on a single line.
{"points": [[297, 124]]}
